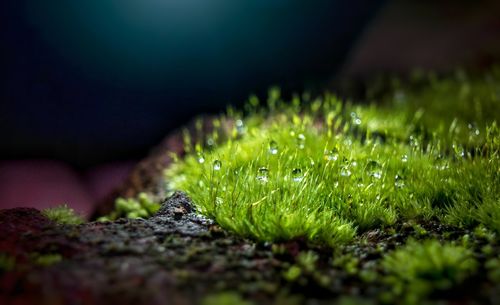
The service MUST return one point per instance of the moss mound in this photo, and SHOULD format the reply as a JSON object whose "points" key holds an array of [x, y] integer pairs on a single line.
{"points": [[328, 170]]}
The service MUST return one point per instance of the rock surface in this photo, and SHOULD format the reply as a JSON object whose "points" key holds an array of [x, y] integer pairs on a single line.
{"points": [[174, 257], [179, 257]]}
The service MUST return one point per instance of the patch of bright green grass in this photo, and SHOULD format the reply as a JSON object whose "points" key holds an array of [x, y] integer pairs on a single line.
{"points": [[63, 214], [419, 268], [327, 169]]}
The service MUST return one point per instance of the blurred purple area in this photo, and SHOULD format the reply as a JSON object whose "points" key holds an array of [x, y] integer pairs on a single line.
{"points": [[45, 183]]}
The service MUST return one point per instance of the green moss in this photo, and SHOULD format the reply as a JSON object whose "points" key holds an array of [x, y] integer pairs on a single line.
{"points": [[140, 207], [46, 259], [493, 268], [292, 274], [328, 170], [347, 262], [419, 268], [225, 298], [63, 214], [7, 262]]}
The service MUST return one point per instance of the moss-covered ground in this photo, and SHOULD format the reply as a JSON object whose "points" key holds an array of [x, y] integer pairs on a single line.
{"points": [[328, 170], [303, 200]]}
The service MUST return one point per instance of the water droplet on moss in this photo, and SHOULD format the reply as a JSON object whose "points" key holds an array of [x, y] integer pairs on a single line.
{"points": [[441, 162], [201, 158], [459, 151], [404, 158], [301, 141], [273, 147], [356, 120], [345, 171], [473, 130], [263, 174], [297, 175], [399, 181], [217, 165], [240, 127], [375, 169], [414, 141], [332, 155]]}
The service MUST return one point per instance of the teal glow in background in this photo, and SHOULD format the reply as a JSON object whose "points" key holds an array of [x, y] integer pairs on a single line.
{"points": [[95, 80]]}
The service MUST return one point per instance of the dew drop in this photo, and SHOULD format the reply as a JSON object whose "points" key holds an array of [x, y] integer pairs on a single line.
{"points": [[375, 169], [459, 151], [273, 147], [219, 201], [345, 171], [297, 175], [263, 174], [473, 129], [332, 155], [217, 165], [348, 141], [360, 183], [404, 158], [399, 181], [355, 118], [414, 142], [240, 127], [441, 163], [301, 141], [201, 158]]}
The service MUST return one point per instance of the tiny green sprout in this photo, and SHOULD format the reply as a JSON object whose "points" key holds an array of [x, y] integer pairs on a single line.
{"points": [[419, 230], [63, 214], [46, 259], [7, 262], [293, 273], [493, 267], [307, 260], [225, 298], [140, 207], [347, 262]]}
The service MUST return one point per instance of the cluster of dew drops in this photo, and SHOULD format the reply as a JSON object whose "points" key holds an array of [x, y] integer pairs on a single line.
{"points": [[297, 174], [373, 167]]}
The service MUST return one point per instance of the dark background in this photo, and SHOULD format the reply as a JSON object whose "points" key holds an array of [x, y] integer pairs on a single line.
{"points": [[101, 80]]}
